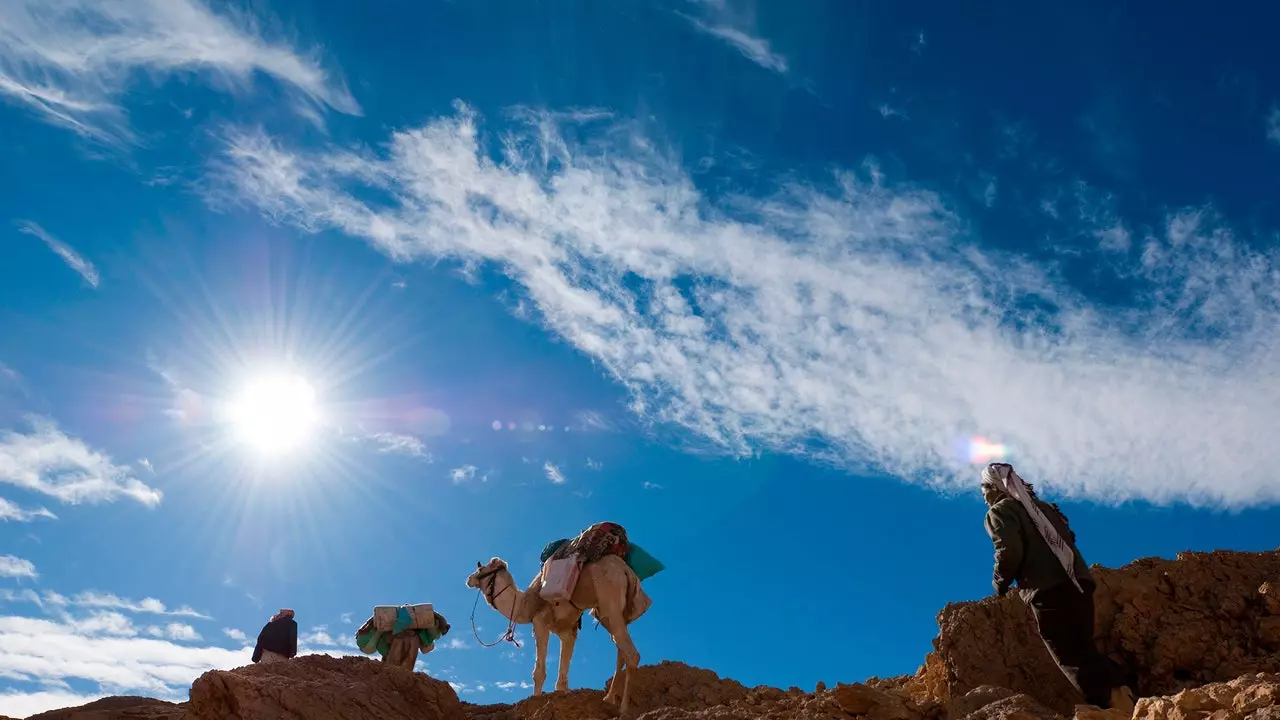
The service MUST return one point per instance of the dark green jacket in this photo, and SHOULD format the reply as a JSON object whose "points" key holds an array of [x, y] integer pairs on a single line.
{"points": [[1023, 555]]}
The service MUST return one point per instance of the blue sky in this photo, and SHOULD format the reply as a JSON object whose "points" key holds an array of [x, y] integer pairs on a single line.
{"points": [[748, 279]]}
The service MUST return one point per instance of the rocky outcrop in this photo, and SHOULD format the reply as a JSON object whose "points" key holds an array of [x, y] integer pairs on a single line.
{"points": [[671, 685], [1199, 636], [1172, 624], [125, 707], [322, 687]]}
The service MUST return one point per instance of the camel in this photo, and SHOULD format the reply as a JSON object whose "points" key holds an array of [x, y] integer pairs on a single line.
{"points": [[603, 588]]}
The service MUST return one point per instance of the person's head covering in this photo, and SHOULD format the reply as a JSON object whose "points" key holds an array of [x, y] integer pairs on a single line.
{"points": [[284, 613], [1002, 477]]}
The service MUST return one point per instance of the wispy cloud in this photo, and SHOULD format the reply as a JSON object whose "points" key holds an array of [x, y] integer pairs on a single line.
{"points": [[1273, 124], [71, 61], [146, 605], [11, 512], [553, 473], [650, 485], [237, 635], [919, 43], [15, 567], [453, 644], [887, 111], [46, 460], [594, 464], [107, 649], [105, 601], [755, 49], [73, 259], [462, 474], [16, 703], [399, 444], [851, 321], [508, 685]]}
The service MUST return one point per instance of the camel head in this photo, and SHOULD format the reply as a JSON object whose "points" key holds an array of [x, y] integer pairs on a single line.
{"points": [[482, 571]]}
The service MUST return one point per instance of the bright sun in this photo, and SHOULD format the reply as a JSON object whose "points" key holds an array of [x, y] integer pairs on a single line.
{"points": [[274, 414]]}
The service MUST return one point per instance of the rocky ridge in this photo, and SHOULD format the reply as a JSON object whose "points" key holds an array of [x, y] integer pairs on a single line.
{"points": [[1198, 636]]}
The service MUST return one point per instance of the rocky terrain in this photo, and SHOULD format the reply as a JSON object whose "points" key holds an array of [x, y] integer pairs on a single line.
{"points": [[1198, 635]]}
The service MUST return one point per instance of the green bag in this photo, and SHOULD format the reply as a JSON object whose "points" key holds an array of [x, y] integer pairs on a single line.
{"points": [[642, 563]]}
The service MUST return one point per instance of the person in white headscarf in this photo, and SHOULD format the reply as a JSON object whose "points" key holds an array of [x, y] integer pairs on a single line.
{"points": [[1035, 547]]}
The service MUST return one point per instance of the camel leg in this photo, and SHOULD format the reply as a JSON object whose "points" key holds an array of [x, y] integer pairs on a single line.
{"points": [[615, 691], [567, 641], [541, 636], [627, 653]]}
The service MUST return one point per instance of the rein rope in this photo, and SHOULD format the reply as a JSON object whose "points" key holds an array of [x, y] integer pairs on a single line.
{"points": [[492, 598]]}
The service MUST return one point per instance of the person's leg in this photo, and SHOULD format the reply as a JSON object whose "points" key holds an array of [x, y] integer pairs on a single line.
{"points": [[1064, 617]]}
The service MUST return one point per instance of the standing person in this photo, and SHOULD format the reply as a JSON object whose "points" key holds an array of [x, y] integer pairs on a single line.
{"points": [[278, 639], [1035, 547]]}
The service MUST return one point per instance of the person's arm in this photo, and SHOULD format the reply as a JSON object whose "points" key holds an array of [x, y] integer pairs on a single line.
{"points": [[1006, 536], [293, 638]]}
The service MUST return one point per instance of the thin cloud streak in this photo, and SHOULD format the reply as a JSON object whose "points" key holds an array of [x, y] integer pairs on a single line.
{"points": [[73, 259], [851, 322], [554, 474], [9, 512], [753, 48], [71, 61]]}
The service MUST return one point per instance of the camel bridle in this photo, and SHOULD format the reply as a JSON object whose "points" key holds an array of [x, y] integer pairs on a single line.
{"points": [[488, 590]]}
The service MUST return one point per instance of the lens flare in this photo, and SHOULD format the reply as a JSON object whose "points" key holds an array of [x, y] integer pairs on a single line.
{"points": [[984, 451]]}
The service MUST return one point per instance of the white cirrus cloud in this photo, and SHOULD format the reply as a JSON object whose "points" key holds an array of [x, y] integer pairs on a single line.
{"points": [[1273, 124], [48, 461], [73, 259], [463, 474], [72, 61], [10, 512], [731, 28], [553, 473], [856, 321], [12, 566], [110, 601], [399, 444], [234, 634], [106, 649]]}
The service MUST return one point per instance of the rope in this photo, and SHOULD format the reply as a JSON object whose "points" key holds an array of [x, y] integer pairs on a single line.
{"points": [[509, 635]]}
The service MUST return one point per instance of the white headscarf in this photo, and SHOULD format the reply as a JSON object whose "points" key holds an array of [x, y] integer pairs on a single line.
{"points": [[1002, 477]]}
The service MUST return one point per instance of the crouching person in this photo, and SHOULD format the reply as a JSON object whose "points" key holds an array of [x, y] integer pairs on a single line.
{"points": [[1035, 547], [278, 639], [399, 634], [404, 648]]}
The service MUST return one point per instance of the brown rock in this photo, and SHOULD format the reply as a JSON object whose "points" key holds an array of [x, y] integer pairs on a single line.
{"points": [[1270, 597], [1252, 697], [1014, 707], [1090, 712], [860, 699], [978, 698], [1269, 631], [1172, 624], [124, 707], [323, 688]]}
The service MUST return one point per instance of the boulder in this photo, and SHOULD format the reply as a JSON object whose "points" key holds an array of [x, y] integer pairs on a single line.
{"points": [[320, 687]]}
